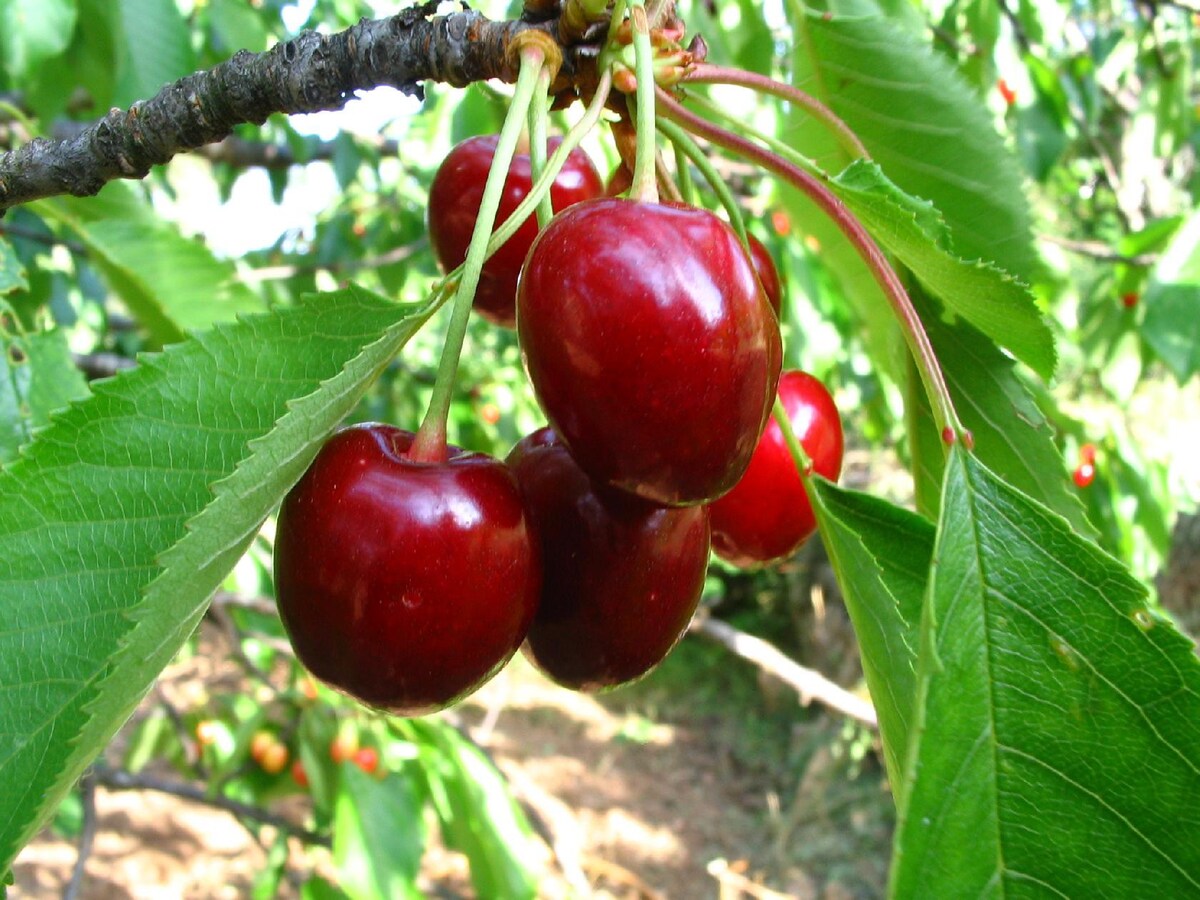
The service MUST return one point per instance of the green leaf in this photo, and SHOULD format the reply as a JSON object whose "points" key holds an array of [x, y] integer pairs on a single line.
{"points": [[170, 283], [920, 122], [237, 26], [1011, 434], [12, 272], [478, 815], [37, 376], [1172, 301], [34, 30], [378, 836], [880, 554], [154, 48], [1058, 747], [121, 518], [991, 300]]}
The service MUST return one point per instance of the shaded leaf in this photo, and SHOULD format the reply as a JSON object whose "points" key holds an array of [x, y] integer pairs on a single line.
{"points": [[881, 555], [1058, 747], [37, 376], [1172, 301], [378, 836], [34, 31]]}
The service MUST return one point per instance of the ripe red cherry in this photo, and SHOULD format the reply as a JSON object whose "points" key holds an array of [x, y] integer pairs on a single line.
{"points": [[767, 273], [651, 346], [1084, 475], [454, 199], [622, 577], [768, 515], [404, 584]]}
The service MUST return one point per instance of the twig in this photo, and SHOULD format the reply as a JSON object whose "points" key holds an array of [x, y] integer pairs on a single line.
{"points": [[310, 73], [277, 273], [102, 365], [808, 683], [87, 835], [734, 884], [1100, 250], [119, 780]]}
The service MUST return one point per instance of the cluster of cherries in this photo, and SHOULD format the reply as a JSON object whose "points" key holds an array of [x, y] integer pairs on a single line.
{"points": [[650, 336]]}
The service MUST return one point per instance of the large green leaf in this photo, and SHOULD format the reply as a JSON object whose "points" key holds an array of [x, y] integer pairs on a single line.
{"points": [[155, 47], [991, 300], [920, 122], [120, 519], [378, 836], [1172, 301], [1011, 434], [33, 31], [880, 554], [170, 283], [1057, 748]]}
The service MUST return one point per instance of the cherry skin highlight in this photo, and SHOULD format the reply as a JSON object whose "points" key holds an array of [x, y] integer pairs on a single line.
{"points": [[454, 200], [622, 577], [405, 585], [650, 345], [768, 515]]}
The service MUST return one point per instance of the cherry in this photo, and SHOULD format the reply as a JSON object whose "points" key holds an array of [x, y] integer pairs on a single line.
{"points": [[768, 515], [1084, 475], [274, 758], [1087, 454], [622, 577], [404, 584], [650, 345], [367, 759], [454, 200], [1129, 299], [768, 275], [299, 775]]}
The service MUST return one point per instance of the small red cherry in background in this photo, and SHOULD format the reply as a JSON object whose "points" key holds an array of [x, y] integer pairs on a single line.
{"points": [[768, 515], [490, 413], [344, 745], [1129, 299], [274, 758], [781, 223], [299, 775], [1087, 454], [367, 759], [651, 346], [1009, 95], [206, 732], [404, 584], [768, 275], [622, 577], [1084, 475], [454, 199]]}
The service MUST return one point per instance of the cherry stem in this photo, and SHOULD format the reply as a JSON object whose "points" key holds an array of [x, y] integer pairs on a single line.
{"points": [[429, 445], [885, 276], [687, 187], [539, 115], [644, 186], [707, 73], [799, 457], [692, 151]]}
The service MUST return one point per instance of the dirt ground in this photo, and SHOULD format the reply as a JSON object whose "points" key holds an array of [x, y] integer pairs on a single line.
{"points": [[654, 792]]}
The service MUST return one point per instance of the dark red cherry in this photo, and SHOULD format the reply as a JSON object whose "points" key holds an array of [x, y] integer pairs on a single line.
{"points": [[651, 346], [768, 515], [764, 265], [622, 577], [454, 199], [406, 585]]}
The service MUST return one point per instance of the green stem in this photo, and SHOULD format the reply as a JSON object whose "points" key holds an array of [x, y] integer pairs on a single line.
{"points": [[539, 114], [683, 174], [799, 458], [944, 414], [706, 73], [541, 187], [644, 187], [430, 442], [693, 152]]}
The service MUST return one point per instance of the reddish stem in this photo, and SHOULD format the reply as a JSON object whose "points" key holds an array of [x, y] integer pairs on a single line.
{"points": [[707, 73], [886, 277]]}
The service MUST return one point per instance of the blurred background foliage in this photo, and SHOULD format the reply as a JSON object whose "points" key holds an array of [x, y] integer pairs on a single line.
{"points": [[1096, 100]]}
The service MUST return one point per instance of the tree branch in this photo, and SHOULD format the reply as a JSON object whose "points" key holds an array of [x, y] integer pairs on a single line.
{"points": [[311, 73]]}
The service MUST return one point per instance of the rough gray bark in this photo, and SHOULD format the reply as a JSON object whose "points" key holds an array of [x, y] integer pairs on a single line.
{"points": [[313, 72]]}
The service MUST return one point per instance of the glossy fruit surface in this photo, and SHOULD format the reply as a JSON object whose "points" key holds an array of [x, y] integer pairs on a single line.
{"points": [[406, 585], [1084, 475], [768, 275], [768, 515], [651, 346], [454, 199], [622, 577]]}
